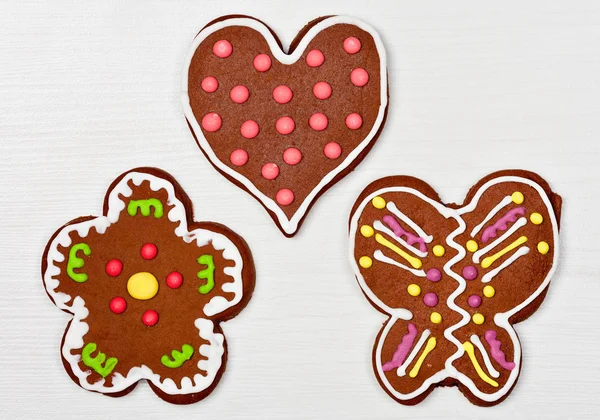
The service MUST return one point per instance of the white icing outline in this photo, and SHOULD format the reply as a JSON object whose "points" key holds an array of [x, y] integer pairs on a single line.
{"points": [[380, 256], [73, 338], [501, 319], [289, 226]]}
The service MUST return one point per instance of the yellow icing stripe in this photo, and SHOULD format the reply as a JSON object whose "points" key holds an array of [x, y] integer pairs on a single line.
{"points": [[415, 262], [490, 260], [430, 346], [471, 352]]}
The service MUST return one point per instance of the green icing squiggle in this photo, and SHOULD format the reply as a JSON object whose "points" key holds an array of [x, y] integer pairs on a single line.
{"points": [[76, 262], [144, 206], [207, 274], [97, 362], [179, 357]]}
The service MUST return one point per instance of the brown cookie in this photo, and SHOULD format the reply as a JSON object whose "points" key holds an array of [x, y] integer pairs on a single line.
{"points": [[147, 287], [285, 126]]}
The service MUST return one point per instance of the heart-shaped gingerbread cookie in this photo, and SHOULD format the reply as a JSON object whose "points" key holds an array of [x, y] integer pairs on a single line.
{"points": [[286, 126]]}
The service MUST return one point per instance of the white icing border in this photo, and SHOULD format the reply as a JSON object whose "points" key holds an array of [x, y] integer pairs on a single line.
{"points": [[289, 226], [73, 338], [500, 319]]}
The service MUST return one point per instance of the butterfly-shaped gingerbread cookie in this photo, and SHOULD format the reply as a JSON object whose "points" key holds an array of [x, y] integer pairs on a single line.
{"points": [[454, 279], [285, 126]]}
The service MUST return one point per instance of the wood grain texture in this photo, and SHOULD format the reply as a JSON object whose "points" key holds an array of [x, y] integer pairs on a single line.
{"points": [[91, 89]]}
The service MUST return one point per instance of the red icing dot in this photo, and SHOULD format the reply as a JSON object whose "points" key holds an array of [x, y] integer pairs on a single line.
{"points": [[210, 84], [315, 58], [249, 129], [114, 268], [211, 122], [292, 156], [262, 62], [174, 280], [149, 251], [239, 94], [239, 157], [270, 171], [285, 125], [352, 45], [354, 121], [359, 77], [318, 121], [222, 48], [322, 90], [332, 150], [118, 305], [285, 196], [282, 94], [150, 318]]}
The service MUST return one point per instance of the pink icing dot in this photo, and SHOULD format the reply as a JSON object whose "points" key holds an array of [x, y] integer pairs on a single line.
{"points": [[332, 150], [469, 272], [433, 274], [222, 48], [210, 84], [353, 121], [318, 121], [239, 157], [292, 156], [322, 90], [430, 299], [282, 94], [352, 45], [270, 171], [285, 196], [474, 301], [285, 125], [262, 62], [239, 94], [359, 77], [315, 58], [249, 129], [211, 122]]}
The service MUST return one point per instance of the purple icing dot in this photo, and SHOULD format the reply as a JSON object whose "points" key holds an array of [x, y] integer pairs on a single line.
{"points": [[474, 301], [433, 274], [469, 272], [430, 299]]}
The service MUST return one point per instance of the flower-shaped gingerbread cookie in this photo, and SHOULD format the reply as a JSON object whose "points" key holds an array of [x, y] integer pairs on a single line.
{"points": [[147, 287], [454, 280], [285, 126]]}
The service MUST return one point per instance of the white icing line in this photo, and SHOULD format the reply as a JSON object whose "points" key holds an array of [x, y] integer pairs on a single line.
{"points": [[524, 250], [391, 206], [505, 202], [288, 225], [516, 226], [401, 371], [380, 256], [486, 358], [382, 228]]}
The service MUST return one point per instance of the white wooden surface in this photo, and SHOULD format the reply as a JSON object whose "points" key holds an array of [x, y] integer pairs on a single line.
{"points": [[88, 91]]}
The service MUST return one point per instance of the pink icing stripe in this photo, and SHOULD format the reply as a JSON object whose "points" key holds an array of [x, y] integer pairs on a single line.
{"points": [[502, 223], [411, 238], [402, 350], [497, 354]]}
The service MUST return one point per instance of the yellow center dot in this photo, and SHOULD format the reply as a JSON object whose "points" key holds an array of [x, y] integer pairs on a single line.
{"points": [[378, 202], [366, 231], [142, 286], [478, 319], [438, 251], [543, 247], [536, 218], [414, 289], [472, 245], [435, 317], [365, 262], [489, 291], [517, 197]]}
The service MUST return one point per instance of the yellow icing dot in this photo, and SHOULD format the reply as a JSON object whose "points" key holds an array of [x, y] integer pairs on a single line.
{"points": [[366, 231], [536, 218], [489, 291], [472, 245], [517, 197], [414, 289], [438, 251], [435, 317], [478, 319], [365, 262], [142, 286], [378, 202], [543, 247]]}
